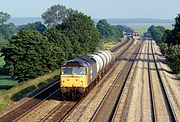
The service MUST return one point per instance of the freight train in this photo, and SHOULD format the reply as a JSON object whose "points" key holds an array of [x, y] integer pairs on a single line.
{"points": [[81, 74]]}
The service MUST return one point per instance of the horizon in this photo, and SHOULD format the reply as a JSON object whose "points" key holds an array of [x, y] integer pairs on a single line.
{"points": [[102, 18], [95, 9]]}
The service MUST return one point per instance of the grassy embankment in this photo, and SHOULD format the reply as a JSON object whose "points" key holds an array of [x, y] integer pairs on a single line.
{"points": [[17, 92]]}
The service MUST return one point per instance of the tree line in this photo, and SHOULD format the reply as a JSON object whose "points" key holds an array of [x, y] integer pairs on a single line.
{"points": [[169, 42], [111, 31]]}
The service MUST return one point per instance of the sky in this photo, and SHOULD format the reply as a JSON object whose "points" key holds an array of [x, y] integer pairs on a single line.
{"points": [[161, 9]]}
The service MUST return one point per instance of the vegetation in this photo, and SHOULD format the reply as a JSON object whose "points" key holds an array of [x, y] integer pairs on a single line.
{"points": [[37, 26], [108, 31], [169, 42], [29, 55], [82, 33], [109, 43], [4, 17], [56, 14], [156, 32]]}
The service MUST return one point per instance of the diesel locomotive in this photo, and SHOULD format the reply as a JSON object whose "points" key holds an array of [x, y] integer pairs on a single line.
{"points": [[81, 74]]}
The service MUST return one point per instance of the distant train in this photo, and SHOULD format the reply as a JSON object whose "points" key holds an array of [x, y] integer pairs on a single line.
{"points": [[81, 74]]}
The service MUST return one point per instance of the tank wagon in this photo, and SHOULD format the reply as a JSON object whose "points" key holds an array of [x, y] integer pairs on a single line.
{"points": [[81, 74]]}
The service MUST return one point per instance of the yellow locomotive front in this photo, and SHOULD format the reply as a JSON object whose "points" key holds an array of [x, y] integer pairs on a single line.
{"points": [[77, 75], [73, 77]]}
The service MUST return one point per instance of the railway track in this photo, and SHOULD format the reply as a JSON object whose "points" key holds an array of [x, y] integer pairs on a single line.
{"points": [[62, 111], [33, 109], [156, 107], [108, 105], [29, 104], [153, 109]]}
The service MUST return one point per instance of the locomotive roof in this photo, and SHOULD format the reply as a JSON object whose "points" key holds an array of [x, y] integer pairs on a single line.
{"points": [[81, 61], [88, 58]]}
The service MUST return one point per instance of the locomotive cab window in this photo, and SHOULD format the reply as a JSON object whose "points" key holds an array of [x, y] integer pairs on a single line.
{"points": [[73, 71]]}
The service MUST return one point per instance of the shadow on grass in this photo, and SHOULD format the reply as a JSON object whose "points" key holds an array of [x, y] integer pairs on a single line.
{"points": [[6, 87], [22, 93], [19, 95]]}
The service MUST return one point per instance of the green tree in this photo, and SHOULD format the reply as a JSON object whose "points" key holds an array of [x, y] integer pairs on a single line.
{"points": [[127, 29], [117, 31], [61, 42], [174, 57], [156, 32], [82, 33], [3, 41], [4, 17], [104, 28], [29, 55], [38, 26], [8, 30], [56, 14], [177, 23]]}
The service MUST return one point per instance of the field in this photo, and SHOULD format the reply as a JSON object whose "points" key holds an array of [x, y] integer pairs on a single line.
{"points": [[143, 28]]}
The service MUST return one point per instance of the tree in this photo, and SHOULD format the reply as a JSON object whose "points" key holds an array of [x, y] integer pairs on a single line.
{"points": [[7, 30], [3, 41], [4, 17], [174, 57], [56, 14], [127, 29], [117, 31], [156, 32], [29, 55], [176, 30], [82, 33], [104, 29], [177, 23], [61, 42], [38, 26]]}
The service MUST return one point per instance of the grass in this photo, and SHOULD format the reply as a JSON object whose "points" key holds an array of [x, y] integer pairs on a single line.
{"points": [[178, 75], [6, 82], [2, 62], [21, 89], [143, 28], [109, 43]]}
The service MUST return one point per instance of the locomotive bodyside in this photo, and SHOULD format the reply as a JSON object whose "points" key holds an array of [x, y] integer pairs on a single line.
{"points": [[79, 74]]}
